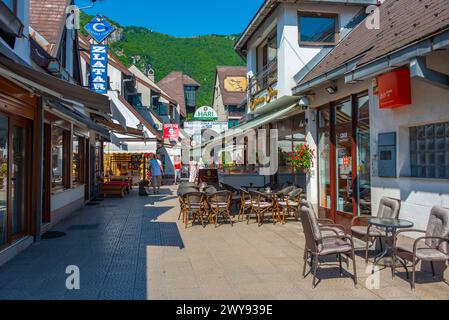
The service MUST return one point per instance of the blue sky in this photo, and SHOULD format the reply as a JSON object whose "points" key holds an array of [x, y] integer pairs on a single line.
{"points": [[180, 18]]}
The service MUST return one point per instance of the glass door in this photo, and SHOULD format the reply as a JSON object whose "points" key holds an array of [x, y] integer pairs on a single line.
{"points": [[344, 157], [18, 178], [363, 156]]}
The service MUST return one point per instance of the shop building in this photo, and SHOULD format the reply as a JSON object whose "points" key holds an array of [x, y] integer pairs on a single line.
{"points": [[379, 102], [282, 42], [46, 128], [230, 94]]}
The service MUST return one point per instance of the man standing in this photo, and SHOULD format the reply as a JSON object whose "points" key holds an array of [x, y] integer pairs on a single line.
{"points": [[157, 172]]}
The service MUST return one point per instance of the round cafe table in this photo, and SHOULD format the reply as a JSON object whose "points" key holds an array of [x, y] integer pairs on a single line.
{"points": [[275, 206], [390, 226]]}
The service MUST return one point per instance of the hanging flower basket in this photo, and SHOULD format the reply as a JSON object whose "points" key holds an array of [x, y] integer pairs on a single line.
{"points": [[302, 159]]}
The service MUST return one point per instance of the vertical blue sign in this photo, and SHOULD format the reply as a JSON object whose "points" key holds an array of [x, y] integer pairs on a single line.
{"points": [[99, 68]]}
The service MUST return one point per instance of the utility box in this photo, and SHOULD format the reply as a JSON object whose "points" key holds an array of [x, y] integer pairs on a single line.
{"points": [[387, 155]]}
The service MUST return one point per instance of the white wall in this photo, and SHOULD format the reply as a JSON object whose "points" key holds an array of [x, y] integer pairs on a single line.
{"points": [[418, 195]]}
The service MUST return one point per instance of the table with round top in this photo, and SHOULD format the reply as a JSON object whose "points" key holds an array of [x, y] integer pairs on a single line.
{"points": [[275, 206], [390, 226]]}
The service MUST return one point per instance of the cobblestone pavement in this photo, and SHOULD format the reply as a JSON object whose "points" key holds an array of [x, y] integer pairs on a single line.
{"points": [[135, 248]]}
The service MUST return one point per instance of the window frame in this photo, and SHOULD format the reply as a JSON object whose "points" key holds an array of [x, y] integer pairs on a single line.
{"points": [[14, 6], [319, 15]]}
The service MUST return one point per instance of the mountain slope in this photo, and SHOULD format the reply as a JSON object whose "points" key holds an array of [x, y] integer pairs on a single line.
{"points": [[196, 56]]}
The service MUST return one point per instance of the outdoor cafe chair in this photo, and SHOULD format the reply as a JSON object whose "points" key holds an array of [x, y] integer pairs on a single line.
{"points": [[289, 203], [194, 207], [319, 245], [388, 208], [285, 191], [188, 185], [181, 193], [260, 205], [245, 204], [432, 247], [220, 205], [330, 227]]}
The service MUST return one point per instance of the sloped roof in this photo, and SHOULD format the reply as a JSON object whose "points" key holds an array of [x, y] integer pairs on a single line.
{"points": [[47, 17], [402, 22], [229, 97], [173, 84]]}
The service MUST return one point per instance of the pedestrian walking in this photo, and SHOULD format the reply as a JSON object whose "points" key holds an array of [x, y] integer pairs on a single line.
{"points": [[177, 169], [157, 171]]}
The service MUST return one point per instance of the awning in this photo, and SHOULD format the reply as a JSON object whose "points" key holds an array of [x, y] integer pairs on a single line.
{"points": [[256, 123], [277, 104], [73, 114], [116, 114], [47, 84]]}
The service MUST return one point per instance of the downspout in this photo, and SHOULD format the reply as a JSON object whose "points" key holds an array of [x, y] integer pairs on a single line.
{"points": [[38, 165]]}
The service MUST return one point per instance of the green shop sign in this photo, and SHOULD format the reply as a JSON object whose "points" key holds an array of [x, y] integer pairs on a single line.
{"points": [[206, 114]]}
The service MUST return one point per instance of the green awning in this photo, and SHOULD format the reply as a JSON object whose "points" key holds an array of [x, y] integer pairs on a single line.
{"points": [[276, 104], [255, 123]]}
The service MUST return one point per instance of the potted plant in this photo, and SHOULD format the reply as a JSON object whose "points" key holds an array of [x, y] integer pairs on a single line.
{"points": [[302, 158]]}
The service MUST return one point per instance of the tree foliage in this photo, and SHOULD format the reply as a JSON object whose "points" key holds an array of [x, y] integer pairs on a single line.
{"points": [[197, 57]]}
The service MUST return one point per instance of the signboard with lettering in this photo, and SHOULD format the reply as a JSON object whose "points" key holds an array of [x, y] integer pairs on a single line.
{"points": [[99, 68], [99, 28], [171, 131], [205, 114], [395, 89]]}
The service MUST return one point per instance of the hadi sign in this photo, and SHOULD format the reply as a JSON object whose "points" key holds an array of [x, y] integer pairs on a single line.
{"points": [[99, 68], [99, 29], [206, 114]]}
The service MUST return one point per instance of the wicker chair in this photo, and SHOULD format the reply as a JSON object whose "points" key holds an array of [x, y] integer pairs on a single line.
{"points": [[220, 205], [245, 204], [289, 203], [432, 247], [330, 226], [260, 205], [182, 204], [388, 208], [319, 245], [194, 207]]}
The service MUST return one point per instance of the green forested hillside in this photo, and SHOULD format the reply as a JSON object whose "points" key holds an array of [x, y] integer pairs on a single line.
{"points": [[196, 56]]}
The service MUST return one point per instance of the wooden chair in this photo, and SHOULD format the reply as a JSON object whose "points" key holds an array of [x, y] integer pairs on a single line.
{"points": [[289, 203], [245, 204], [260, 205], [220, 205], [194, 207]]}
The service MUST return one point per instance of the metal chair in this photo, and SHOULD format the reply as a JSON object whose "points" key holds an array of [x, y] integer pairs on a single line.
{"points": [[194, 206], [432, 247], [388, 208], [220, 204], [260, 204], [319, 245]]}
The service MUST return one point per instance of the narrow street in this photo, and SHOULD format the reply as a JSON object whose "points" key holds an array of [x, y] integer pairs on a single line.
{"points": [[134, 248]]}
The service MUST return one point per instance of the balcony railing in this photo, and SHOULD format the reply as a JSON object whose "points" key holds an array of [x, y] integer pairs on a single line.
{"points": [[263, 79]]}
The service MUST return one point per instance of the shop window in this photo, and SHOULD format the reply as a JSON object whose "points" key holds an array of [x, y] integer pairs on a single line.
{"points": [[60, 147], [318, 29], [324, 143], [76, 160], [3, 178], [11, 4], [429, 151]]}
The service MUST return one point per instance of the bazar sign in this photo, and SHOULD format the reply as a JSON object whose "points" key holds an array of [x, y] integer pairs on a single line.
{"points": [[99, 68], [206, 114], [171, 131], [99, 29]]}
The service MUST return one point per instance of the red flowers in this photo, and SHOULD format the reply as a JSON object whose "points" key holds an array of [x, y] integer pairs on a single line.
{"points": [[302, 157]]}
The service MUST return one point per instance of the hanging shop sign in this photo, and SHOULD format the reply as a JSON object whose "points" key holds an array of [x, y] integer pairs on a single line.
{"points": [[206, 114], [171, 131], [99, 68], [99, 28], [256, 102], [395, 89]]}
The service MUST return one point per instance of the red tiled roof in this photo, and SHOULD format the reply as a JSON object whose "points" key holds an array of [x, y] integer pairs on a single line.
{"points": [[231, 98], [173, 84], [402, 22], [47, 17]]}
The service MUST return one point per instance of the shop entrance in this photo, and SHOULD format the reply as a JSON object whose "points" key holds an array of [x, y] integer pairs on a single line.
{"points": [[15, 178], [344, 159]]}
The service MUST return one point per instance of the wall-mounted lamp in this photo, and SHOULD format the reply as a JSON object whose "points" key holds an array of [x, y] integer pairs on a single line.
{"points": [[332, 89], [304, 103], [140, 127]]}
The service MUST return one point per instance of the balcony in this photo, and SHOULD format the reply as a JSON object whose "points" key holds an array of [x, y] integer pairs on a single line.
{"points": [[265, 78]]}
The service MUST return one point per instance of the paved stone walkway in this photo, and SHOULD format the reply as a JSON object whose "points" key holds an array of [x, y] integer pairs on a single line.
{"points": [[135, 248]]}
